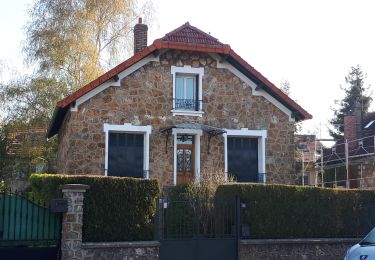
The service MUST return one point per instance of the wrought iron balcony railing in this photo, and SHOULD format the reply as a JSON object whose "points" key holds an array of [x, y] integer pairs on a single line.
{"points": [[187, 104]]}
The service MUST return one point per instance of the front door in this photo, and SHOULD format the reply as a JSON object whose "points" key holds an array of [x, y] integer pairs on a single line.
{"points": [[185, 159]]}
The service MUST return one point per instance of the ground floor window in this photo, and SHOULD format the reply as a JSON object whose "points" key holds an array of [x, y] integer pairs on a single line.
{"points": [[245, 154], [125, 155], [243, 158], [127, 150]]}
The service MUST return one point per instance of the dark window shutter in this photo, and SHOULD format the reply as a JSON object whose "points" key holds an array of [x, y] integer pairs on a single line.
{"points": [[125, 155], [243, 158]]}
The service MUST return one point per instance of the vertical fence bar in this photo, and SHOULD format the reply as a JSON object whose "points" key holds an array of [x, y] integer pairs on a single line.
{"points": [[48, 236], [237, 223], [38, 221], [27, 219], [3, 214], [8, 215], [156, 221], [15, 216], [43, 221], [20, 230], [32, 221]]}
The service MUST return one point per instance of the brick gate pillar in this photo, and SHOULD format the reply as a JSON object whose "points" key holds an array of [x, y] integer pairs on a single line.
{"points": [[71, 232]]}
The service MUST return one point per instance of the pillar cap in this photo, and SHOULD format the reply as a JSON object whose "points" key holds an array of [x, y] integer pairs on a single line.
{"points": [[75, 187]]}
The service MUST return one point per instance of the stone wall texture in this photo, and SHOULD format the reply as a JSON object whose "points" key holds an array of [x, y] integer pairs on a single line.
{"points": [[145, 98], [148, 250], [294, 249], [72, 222]]}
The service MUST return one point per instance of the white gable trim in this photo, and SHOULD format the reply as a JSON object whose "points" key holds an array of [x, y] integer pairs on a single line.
{"points": [[226, 65], [261, 135], [110, 83], [129, 128]]}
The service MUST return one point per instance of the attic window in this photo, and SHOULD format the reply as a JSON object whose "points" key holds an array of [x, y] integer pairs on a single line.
{"points": [[369, 124], [187, 91]]}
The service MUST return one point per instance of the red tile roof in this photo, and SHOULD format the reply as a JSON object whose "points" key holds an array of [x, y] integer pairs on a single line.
{"points": [[187, 38], [188, 34]]}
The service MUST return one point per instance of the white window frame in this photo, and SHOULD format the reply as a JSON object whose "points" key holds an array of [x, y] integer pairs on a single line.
{"points": [[194, 72], [132, 129], [261, 135], [197, 133]]}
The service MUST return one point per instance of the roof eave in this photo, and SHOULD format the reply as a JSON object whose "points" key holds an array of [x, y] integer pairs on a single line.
{"points": [[56, 121]]}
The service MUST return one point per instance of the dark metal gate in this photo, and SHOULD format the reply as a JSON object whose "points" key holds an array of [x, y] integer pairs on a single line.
{"points": [[28, 230], [198, 230]]}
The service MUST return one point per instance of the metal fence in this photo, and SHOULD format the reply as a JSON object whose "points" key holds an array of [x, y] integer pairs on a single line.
{"points": [[192, 219], [198, 229], [27, 222]]}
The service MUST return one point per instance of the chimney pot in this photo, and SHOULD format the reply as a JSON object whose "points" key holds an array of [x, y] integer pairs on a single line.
{"points": [[140, 36]]}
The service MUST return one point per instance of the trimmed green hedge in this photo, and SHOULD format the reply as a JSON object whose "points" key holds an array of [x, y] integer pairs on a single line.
{"points": [[115, 208], [281, 211]]}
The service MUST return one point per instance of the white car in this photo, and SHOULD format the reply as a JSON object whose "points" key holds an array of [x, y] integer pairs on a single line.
{"points": [[364, 250]]}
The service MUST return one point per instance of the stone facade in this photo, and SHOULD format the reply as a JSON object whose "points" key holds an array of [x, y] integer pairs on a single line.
{"points": [[145, 98], [298, 249]]}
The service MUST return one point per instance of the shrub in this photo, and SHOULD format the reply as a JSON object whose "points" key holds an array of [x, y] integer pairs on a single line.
{"points": [[281, 211], [115, 208]]}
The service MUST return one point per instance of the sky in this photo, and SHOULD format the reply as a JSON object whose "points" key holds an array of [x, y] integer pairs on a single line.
{"points": [[310, 43]]}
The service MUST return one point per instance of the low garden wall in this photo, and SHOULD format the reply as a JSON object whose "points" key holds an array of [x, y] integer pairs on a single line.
{"points": [[285, 249], [142, 250]]}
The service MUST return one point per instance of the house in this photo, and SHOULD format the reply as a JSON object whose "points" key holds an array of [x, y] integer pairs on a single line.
{"points": [[184, 105], [350, 162]]}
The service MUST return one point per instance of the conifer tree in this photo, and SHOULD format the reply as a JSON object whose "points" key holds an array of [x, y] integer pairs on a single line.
{"points": [[356, 91]]}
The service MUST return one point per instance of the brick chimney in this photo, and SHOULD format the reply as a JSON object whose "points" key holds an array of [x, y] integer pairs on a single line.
{"points": [[358, 114], [350, 127], [353, 123], [140, 36]]}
